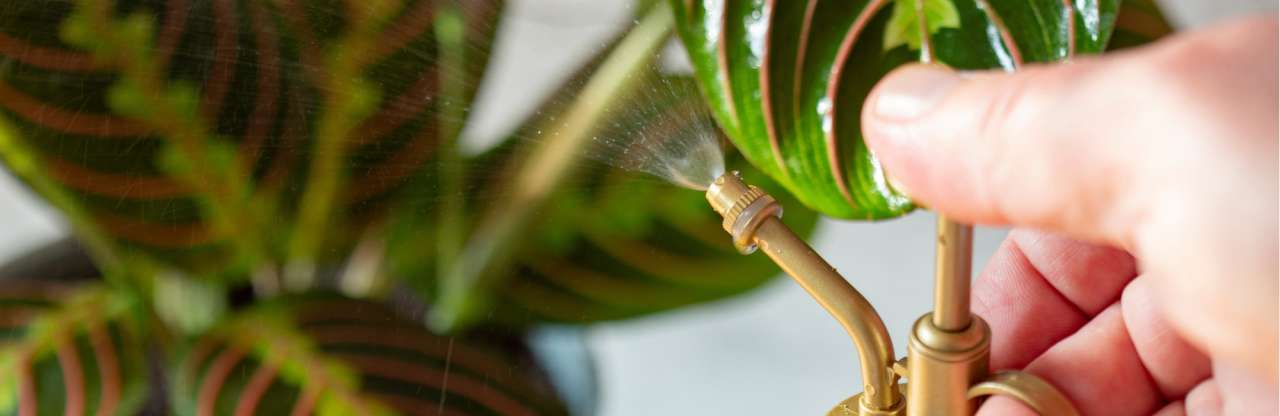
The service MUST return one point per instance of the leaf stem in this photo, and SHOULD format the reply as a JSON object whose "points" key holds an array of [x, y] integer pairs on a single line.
{"points": [[488, 253], [450, 33], [348, 100]]}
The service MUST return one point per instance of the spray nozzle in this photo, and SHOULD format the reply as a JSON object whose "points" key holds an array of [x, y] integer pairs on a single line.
{"points": [[744, 208]]}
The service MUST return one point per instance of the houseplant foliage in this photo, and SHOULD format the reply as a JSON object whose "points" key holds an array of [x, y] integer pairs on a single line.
{"points": [[786, 79], [353, 357], [227, 164], [71, 350], [207, 149]]}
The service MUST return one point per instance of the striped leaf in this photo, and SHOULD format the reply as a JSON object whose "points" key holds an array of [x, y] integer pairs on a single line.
{"points": [[675, 255], [68, 351], [620, 246], [327, 355], [260, 83], [256, 68], [786, 79]]}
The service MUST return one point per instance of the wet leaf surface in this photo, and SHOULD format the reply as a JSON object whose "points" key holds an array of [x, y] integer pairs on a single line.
{"points": [[786, 79]]}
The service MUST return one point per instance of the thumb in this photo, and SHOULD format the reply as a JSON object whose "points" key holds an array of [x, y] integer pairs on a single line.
{"points": [[1167, 151], [1047, 147]]}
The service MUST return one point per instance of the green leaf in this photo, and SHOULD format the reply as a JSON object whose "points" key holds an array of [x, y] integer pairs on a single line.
{"points": [[65, 347], [664, 260], [543, 168], [786, 80], [339, 356], [904, 26], [188, 147], [125, 98], [135, 30], [187, 304]]}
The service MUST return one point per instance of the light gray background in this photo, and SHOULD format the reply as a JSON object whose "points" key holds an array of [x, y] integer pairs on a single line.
{"points": [[770, 352]]}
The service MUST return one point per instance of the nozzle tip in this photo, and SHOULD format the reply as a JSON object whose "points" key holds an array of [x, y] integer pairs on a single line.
{"points": [[743, 207], [725, 191]]}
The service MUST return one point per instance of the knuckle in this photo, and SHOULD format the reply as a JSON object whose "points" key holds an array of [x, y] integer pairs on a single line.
{"points": [[1032, 125], [1208, 80], [1172, 69], [1019, 109], [1182, 69], [1016, 104]]}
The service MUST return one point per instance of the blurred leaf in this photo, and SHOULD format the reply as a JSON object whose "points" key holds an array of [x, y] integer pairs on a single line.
{"points": [[125, 98], [653, 263], [786, 80], [904, 26], [186, 304], [251, 86], [639, 245], [247, 81], [69, 350], [542, 168], [339, 356], [607, 244]]}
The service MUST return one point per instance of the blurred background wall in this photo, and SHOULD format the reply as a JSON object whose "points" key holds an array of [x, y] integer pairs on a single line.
{"points": [[771, 352]]}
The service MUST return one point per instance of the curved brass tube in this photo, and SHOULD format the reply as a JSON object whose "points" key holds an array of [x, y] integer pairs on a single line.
{"points": [[751, 217]]}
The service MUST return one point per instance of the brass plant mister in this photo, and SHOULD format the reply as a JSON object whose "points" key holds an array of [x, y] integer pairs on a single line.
{"points": [[946, 365]]}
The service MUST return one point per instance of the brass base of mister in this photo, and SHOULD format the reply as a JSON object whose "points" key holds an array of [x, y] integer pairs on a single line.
{"points": [[948, 350], [942, 364]]}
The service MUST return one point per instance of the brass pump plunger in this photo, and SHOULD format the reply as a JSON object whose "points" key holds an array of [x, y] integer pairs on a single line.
{"points": [[948, 349]]}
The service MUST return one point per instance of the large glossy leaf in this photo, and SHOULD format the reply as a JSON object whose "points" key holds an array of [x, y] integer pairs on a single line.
{"points": [[619, 261], [328, 355], [69, 350], [787, 78], [212, 138]]}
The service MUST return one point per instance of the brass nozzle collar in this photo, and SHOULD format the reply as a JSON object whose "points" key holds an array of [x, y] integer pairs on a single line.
{"points": [[743, 207], [968, 344]]}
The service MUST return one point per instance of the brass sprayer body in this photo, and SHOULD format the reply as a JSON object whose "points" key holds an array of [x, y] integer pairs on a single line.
{"points": [[947, 354]]}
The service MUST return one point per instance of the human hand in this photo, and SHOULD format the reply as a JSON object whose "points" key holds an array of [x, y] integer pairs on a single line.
{"points": [[1152, 174]]}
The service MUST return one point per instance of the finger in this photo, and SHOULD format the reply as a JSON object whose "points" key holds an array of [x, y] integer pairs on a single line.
{"points": [[1090, 276], [1243, 392], [1099, 370], [1025, 313], [1073, 147], [1172, 409], [1175, 366], [1115, 149], [1204, 400], [1039, 288], [1004, 406]]}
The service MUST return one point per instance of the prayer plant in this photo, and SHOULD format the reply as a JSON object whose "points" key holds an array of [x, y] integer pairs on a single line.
{"points": [[272, 212]]}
